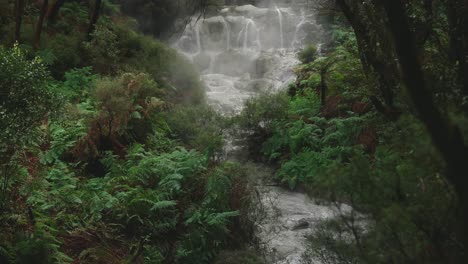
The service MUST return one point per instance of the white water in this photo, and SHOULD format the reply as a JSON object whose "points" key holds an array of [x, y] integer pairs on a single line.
{"points": [[298, 28], [240, 53], [280, 18]]}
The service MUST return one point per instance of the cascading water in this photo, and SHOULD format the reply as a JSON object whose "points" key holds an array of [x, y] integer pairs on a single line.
{"points": [[280, 19], [240, 53], [298, 28], [228, 33], [243, 51]]}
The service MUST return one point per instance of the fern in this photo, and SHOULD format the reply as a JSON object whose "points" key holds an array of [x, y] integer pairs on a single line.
{"points": [[64, 137]]}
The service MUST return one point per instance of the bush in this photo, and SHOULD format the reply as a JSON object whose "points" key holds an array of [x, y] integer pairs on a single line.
{"points": [[308, 55], [25, 97], [260, 112], [198, 127]]}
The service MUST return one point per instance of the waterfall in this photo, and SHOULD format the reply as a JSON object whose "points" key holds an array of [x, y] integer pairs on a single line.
{"points": [[197, 36], [246, 32], [280, 18], [259, 42], [298, 28], [212, 62], [243, 37], [241, 44], [228, 33], [234, 70]]}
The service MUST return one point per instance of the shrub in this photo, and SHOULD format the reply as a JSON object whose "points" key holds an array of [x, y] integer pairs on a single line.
{"points": [[260, 112], [26, 99], [102, 49], [308, 55], [198, 127]]}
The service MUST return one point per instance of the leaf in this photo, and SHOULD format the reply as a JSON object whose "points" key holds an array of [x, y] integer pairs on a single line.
{"points": [[136, 115]]}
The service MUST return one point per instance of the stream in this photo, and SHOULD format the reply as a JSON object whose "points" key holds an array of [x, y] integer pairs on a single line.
{"points": [[244, 51]]}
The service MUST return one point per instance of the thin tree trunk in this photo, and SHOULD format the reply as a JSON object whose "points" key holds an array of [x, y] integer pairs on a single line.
{"points": [[54, 10], [369, 57], [446, 137], [94, 17], [40, 23], [323, 87], [464, 64], [19, 6]]}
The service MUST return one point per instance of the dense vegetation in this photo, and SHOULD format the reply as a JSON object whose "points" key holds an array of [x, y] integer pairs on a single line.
{"points": [[377, 122], [105, 155], [110, 154]]}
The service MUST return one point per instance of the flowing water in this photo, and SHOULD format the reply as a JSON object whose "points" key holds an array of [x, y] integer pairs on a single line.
{"points": [[241, 52]]}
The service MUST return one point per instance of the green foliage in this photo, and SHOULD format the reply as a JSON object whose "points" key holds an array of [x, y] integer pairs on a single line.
{"points": [[64, 48], [106, 179], [263, 110], [235, 257], [102, 49], [402, 209], [407, 202], [78, 82], [25, 98], [306, 105], [199, 127], [308, 54]]}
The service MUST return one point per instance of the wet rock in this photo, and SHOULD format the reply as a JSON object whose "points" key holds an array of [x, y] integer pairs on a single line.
{"points": [[250, 11], [213, 33], [264, 64], [301, 224], [259, 85]]}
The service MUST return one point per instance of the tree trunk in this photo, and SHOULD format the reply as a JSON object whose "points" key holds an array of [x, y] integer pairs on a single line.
{"points": [[446, 137], [54, 10], [323, 87], [94, 16], [19, 6], [40, 23], [385, 70], [464, 64], [458, 40]]}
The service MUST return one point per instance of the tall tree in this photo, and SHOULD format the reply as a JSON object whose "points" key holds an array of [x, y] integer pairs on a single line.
{"points": [[40, 23], [94, 16], [19, 7], [445, 136], [376, 59], [458, 38], [54, 10]]}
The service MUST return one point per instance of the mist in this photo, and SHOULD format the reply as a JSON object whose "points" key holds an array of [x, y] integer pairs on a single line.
{"points": [[244, 50]]}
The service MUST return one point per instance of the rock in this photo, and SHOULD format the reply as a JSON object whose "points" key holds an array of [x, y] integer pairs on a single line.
{"points": [[214, 33], [259, 85], [264, 64], [301, 224], [250, 11]]}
